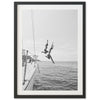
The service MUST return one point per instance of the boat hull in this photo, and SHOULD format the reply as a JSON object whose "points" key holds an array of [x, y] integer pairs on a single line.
{"points": [[31, 81]]}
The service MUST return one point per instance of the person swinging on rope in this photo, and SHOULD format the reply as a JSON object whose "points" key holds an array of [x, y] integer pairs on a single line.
{"points": [[45, 50], [49, 55]]}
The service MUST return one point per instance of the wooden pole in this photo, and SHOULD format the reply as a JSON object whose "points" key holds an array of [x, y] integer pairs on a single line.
{"points": [[25, 66]]}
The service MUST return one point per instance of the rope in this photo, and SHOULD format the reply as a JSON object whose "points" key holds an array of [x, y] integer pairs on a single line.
{"points": [[33, 30]]}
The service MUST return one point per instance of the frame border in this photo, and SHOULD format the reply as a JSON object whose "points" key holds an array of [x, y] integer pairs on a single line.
{"points": [[15, 50]]}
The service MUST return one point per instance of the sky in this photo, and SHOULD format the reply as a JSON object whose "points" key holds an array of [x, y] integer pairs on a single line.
{"points": [[57, 26]]}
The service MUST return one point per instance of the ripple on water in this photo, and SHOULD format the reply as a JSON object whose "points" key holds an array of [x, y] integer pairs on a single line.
{"points": [[62, 76]]}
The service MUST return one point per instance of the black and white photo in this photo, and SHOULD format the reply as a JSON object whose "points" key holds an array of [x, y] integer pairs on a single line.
{"points": [[49, 49]]}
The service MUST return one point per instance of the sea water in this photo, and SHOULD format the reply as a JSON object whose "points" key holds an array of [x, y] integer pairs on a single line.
{"points": [[58, 76]]}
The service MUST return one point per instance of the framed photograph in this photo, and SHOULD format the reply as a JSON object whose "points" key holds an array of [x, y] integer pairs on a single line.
{"points": [[49, 50]]}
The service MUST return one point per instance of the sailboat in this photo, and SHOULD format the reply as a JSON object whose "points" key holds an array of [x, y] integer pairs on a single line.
{"points": [[29, 65], [30, 62]]}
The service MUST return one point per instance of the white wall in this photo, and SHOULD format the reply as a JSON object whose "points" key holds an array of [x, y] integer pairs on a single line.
{"points": [[6, 49]]}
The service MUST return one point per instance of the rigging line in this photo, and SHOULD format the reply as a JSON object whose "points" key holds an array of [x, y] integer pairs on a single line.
{"points": [[33, 32], [22, 43]]}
